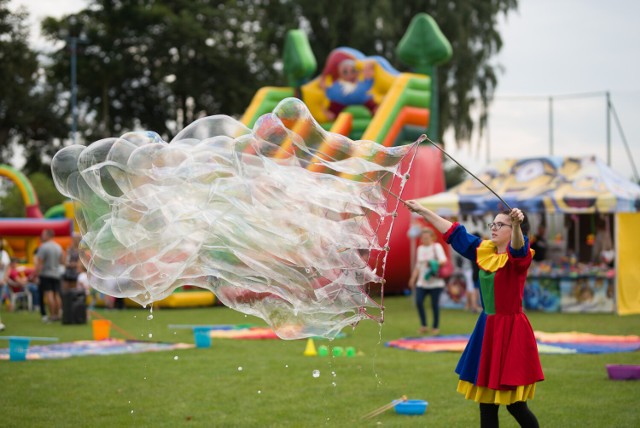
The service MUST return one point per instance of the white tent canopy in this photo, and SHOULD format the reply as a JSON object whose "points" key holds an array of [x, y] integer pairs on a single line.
{"points": [[542, 184]]}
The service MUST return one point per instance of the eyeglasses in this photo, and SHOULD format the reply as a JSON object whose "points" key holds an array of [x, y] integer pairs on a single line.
{"points": [[497, 226]]}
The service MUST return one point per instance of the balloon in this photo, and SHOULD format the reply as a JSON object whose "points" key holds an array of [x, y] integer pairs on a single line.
{"points": [[280, 221]]}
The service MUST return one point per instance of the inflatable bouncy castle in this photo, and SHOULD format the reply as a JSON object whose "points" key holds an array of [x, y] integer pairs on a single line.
{"points": [[365, 98], [22, 235]]}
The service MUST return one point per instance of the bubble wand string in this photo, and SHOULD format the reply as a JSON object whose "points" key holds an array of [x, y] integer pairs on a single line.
{"points": [[395, 196], [423, 137], [415, 144]]}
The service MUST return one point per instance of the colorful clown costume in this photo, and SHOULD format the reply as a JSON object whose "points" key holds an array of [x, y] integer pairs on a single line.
{"points": [[500, 364]]}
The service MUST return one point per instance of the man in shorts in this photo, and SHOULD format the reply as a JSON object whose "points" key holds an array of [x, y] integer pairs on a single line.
{"points": [[48, 260]]}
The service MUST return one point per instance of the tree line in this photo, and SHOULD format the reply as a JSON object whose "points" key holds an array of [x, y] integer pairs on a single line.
{"points": [[160, 64]]}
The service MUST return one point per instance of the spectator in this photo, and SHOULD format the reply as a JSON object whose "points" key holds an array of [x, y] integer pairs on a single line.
{"points": [[48, 260], [539, 244], [70, 275], [19, 281], [603, 250], [34, 279], [425, 280], [5, 261]]}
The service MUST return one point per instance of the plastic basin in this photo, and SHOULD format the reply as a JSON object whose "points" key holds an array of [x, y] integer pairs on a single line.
{"points": [[623, 371], [411, 407]]}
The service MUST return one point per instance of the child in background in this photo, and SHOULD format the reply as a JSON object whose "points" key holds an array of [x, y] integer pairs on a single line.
{"points": [[83, 282], [5, 260]]}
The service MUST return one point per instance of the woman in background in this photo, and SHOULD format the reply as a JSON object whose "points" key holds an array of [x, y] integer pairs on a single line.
{"points": [[425, 281]]}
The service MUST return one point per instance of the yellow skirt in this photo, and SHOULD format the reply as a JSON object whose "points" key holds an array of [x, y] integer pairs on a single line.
{"points": [[482, 394]]}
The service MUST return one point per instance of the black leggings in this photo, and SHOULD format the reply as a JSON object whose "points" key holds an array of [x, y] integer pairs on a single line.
{"points": [[519, 410]]}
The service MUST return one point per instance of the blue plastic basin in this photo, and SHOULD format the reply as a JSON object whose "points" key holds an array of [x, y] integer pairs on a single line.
{"points": [[411, 407]]}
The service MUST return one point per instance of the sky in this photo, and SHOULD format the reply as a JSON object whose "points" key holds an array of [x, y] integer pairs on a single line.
{"points": [[554, 48], [551, 48]]}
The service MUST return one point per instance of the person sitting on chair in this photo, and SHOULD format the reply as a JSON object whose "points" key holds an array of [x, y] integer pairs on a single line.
{"points": [[19, 282]]}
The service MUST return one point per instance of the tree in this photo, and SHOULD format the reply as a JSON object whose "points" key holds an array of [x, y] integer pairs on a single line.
{"points": [[161, 64], [28, 113]]}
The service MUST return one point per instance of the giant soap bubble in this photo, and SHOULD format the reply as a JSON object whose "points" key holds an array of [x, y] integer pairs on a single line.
{"points": [[282, 222]]}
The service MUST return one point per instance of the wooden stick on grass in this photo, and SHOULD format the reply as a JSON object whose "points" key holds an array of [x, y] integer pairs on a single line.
{"points": [[384, 408]]}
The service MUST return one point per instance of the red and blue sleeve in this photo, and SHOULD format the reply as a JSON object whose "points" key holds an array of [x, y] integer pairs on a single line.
{"points": [[462, 241], [521, 257]]}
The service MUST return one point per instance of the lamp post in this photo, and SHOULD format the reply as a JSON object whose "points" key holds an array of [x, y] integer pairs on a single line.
{"points": [[74, 36], [73, 46]]}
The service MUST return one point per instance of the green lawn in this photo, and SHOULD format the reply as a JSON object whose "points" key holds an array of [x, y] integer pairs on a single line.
{"points": [[270, 383]]}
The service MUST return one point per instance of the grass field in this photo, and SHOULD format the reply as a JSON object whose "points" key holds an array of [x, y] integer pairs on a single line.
{"points": [[270, 383]]}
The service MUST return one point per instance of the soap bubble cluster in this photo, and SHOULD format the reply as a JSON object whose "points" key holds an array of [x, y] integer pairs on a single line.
{"points": [[282, 221]]}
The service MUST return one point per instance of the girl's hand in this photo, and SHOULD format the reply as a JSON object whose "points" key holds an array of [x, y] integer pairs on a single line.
{"points": [[413, 206], [517, 217]]}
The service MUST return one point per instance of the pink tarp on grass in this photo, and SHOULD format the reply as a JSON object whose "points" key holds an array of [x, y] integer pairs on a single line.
{"points": [[548, 343]]}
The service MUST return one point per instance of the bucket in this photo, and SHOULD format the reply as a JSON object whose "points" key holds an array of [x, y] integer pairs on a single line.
{"points": [[18, 348], [101, 329], [623, 371], [411, 407], [202, 337]]}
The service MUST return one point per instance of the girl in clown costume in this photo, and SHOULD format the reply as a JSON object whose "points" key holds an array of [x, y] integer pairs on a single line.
{"points": [[500, 364]]}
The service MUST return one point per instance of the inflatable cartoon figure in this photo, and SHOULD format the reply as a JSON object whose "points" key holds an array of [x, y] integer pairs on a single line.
{"points": [[347, 88]]}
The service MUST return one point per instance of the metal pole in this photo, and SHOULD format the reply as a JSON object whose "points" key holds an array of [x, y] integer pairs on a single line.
{"points": [[550, 126], [612, 110], [576, 238], [488, 140], [608, 96], [74, 89]]}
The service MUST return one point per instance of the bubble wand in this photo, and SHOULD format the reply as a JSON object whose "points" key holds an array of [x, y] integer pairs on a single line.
{"points": [[423, 137]]}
